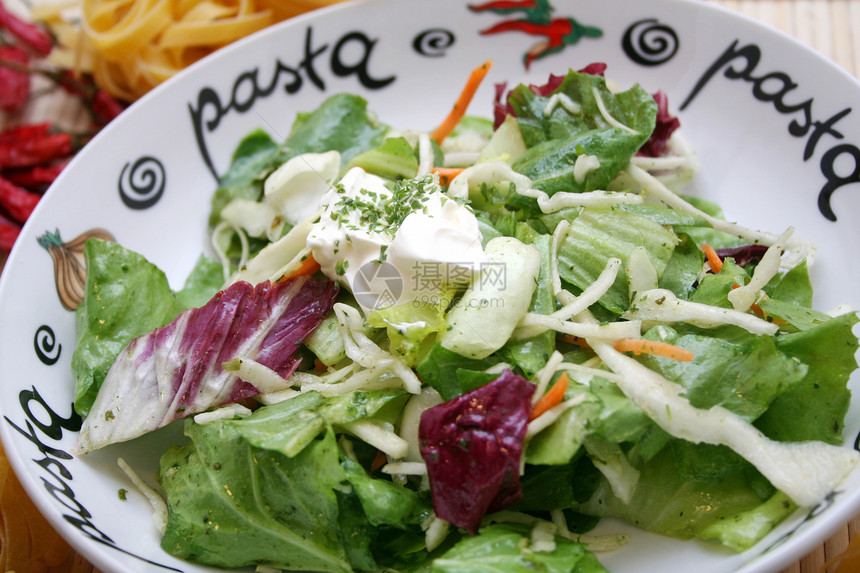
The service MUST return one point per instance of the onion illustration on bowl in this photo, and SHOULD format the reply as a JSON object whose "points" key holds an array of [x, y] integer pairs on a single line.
{"points": [[70, 273]]}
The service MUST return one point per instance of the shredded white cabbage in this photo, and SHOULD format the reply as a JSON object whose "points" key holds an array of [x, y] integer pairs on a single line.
{"points": [[545, 374], [274, 258], [595, 543], [641, 274], [549, 417], [226, 412], [611, 330], [563, 101], [378, 434], [425, 154], [612, 462], [584, 165], [543, 537], [260, 376], [221, 236], [435, 532], [563, 199], [807, 471], [405, 468], [574, 305], [661, 305], [365, 352], [159, 507], [652, 188], [743, 297]]}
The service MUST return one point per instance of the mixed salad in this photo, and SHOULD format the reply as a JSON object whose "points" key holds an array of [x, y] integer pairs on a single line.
{"points": [[443, 351]]}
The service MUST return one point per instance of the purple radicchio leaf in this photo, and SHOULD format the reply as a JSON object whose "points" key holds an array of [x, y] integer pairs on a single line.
{"points": [[176, 371], [472, 447], [743, 254], [658, 144]]}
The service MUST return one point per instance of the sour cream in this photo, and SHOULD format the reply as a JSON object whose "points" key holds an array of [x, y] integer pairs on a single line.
{"points": [[396, 246]]}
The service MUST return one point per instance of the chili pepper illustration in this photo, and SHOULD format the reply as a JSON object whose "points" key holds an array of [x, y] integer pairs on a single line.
{"points": [[537, 21]]}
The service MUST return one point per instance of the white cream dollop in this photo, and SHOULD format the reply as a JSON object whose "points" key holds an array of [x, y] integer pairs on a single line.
{"points": [[359, 237]]}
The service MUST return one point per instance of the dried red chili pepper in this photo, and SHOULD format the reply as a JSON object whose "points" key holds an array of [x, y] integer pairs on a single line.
{"points": [[8, 234], [105, 108], [101, 105], [34, 37], [37, 150], [35, 178], [26, 131], [70, 82], [14, 83], [18, 202]]}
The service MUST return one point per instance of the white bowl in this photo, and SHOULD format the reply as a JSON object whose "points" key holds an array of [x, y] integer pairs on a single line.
{"points": [[772, 122]]}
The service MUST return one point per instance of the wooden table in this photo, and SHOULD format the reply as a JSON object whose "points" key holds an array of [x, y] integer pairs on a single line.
{"points": [[827, 26]]}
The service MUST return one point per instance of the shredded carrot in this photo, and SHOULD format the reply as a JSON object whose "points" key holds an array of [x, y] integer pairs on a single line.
{"points": [[459, 109], [714, 260], [578, 341], [380, 460], [641, 346], [308, 266], [446, 174], [552, 398]]}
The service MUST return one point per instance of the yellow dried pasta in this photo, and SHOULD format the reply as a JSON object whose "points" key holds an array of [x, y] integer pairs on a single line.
{"points": [[131, 46]]}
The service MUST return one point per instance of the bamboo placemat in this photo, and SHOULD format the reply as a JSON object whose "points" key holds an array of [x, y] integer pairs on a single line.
{"points": [[831, 27]]}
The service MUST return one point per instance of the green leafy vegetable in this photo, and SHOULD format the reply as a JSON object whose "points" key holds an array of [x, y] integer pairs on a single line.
{"points": [[234, 505], [504, 548], [125, 296]]}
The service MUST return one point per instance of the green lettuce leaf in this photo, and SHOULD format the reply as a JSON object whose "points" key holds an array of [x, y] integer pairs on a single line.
{"points": [[384, 502], [255, 157], [744, 375], [394, 159], [742, 531], [599, 234], [556, 139], [341, 123], [682, 270], [814, 409], [793, 287], [234, 505], [205, 280], [634, 108], [714, 289], [504, 549], [674, 499], [289, 426], [451, 374], [125, 296]]}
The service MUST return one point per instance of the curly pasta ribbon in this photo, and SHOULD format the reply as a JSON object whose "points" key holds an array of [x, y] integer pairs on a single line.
{"points": [[131, 46]]}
